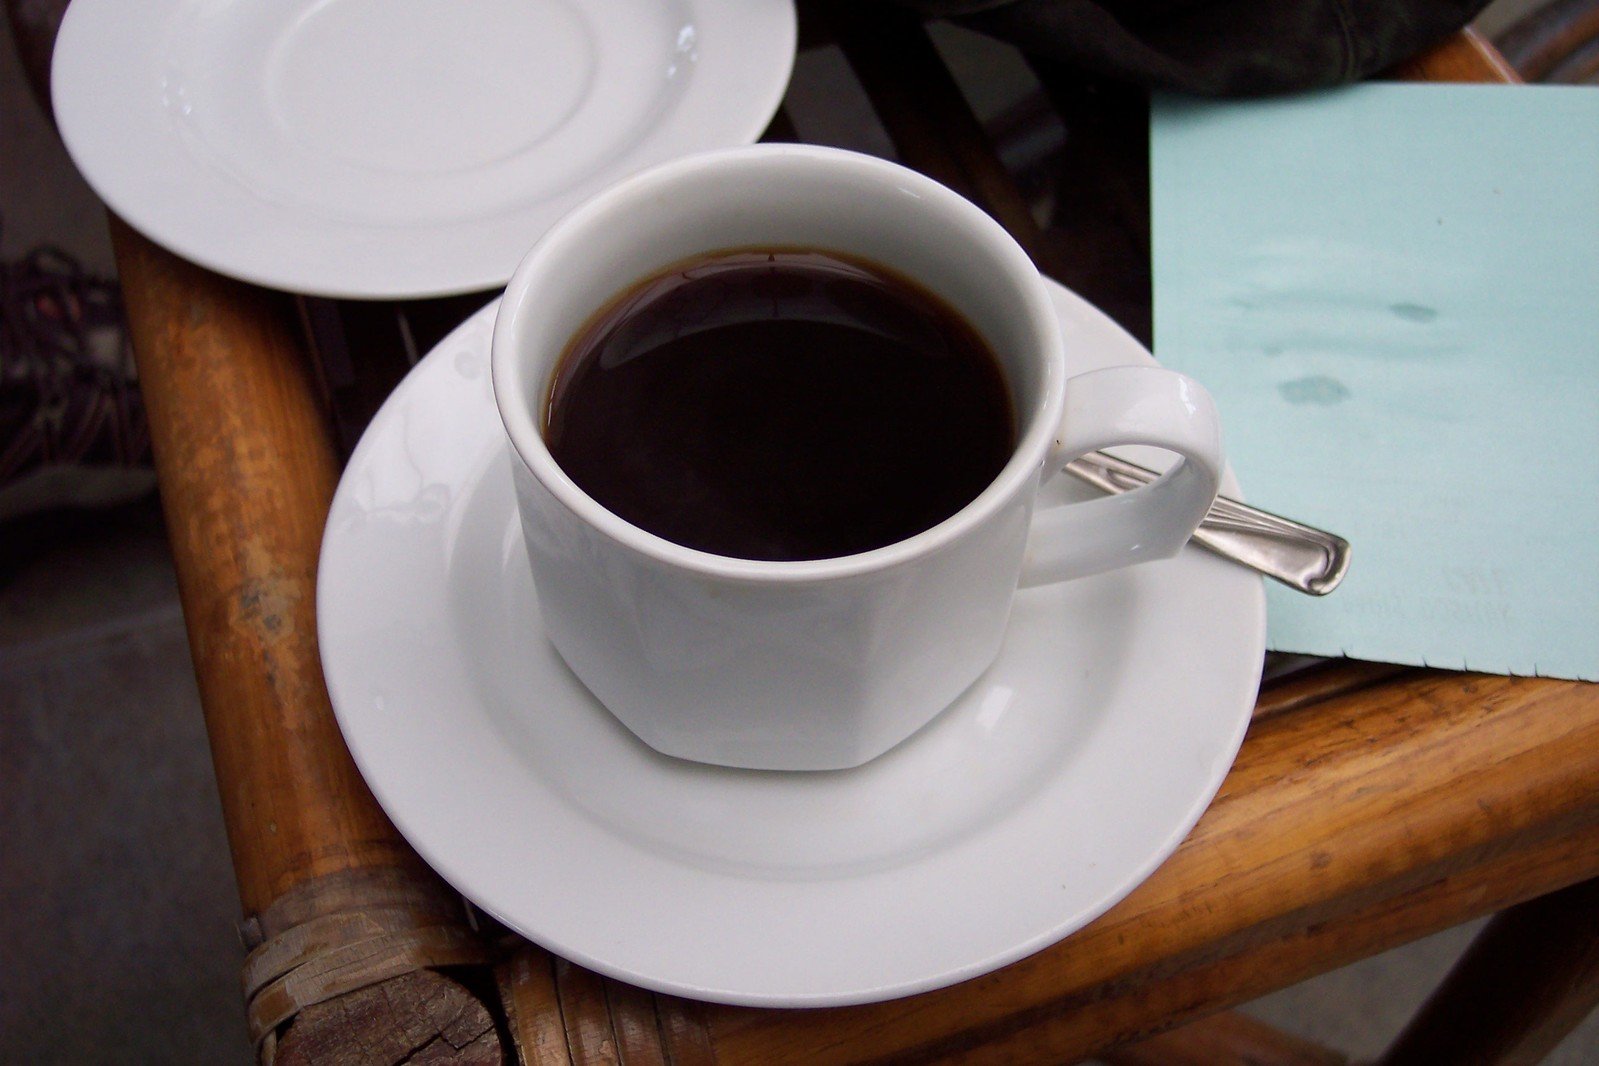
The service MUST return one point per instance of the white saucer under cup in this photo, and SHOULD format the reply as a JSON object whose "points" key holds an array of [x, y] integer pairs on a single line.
{"points": [[396, 148], [1036, 802]]}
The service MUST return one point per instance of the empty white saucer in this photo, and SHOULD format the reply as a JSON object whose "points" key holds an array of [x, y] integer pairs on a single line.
{"points": [[390, 148], [1055, 785]]}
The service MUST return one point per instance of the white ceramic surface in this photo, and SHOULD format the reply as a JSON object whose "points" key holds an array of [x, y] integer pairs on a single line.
{"points": [[1048, 791], [389, 148], [823, 664]]}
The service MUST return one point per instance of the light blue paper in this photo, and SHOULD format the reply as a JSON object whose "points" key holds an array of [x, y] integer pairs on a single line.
{"points": [[1393, 292]]}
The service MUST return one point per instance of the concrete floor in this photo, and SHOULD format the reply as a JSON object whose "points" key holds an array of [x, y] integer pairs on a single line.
{"points": [[117, 905]]}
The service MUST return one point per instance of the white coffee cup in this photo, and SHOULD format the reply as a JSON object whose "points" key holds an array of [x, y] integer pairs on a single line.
{"points": [[823, 664]]}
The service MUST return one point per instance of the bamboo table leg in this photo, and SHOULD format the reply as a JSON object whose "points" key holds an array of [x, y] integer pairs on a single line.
{"points": [[247, 470], [1530, 977]]}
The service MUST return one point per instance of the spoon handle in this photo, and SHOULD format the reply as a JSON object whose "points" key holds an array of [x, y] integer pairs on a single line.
{"points": [[1300, 556]]}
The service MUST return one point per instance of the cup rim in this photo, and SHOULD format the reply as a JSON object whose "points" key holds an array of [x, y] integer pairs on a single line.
{"points": [[508, 372]]}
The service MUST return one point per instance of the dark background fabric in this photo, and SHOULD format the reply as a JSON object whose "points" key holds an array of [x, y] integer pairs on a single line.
{"points": [[1215, 47]]}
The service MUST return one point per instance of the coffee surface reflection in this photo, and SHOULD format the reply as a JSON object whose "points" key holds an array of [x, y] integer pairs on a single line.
{"points": [[780, 405]]}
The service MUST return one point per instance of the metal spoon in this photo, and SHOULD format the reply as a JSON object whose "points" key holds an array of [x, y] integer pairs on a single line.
{"points": [[1300, 556]]}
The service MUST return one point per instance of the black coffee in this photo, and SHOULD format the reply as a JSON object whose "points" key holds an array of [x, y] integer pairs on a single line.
{"points": [[788, 404]]}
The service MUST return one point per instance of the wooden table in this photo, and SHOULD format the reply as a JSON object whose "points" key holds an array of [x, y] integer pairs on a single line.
{"points": [[1370, 804]]}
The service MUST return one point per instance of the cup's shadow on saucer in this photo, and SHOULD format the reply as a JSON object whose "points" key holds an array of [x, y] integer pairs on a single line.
{"points": [[1017, 727]]}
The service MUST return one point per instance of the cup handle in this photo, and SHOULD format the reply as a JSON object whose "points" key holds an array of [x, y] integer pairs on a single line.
{"points": [[1127, 405]]}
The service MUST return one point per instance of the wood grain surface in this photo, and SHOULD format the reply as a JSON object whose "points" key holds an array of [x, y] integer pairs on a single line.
{"points": [[244, 454], [1347, 827], [1358, 821], [247, 471]]}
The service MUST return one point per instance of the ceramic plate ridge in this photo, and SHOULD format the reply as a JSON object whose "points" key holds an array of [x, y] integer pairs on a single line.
{"points": [[396, 148]]}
